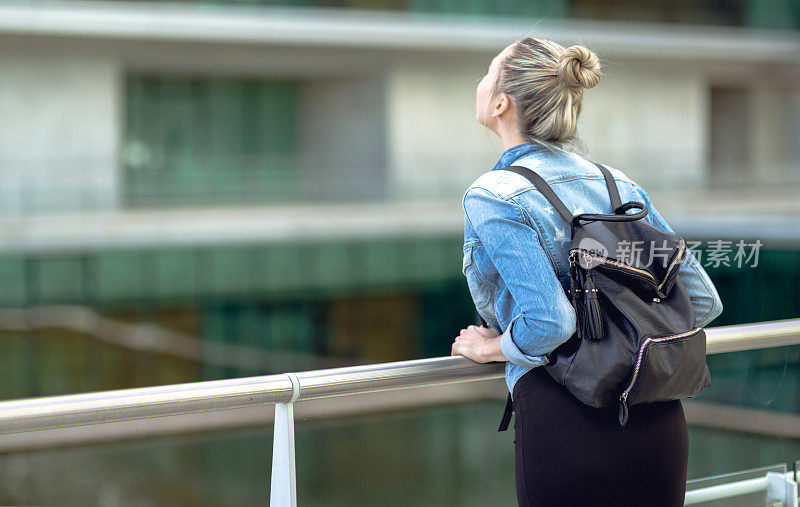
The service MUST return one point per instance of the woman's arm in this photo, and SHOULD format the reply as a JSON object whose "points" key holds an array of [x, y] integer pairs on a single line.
{"points": [[481, 344], [543, 316], [492, 350]]}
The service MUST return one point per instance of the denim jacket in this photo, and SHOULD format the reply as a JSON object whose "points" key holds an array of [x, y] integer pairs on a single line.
{"points": [[516, 247]]}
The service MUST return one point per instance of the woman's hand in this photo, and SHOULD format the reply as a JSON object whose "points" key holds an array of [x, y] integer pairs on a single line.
{"points": [[481, 344]]}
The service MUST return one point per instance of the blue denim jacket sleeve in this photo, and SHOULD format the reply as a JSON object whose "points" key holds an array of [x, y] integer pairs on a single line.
{"points": [[706, 302], [544, 317]]}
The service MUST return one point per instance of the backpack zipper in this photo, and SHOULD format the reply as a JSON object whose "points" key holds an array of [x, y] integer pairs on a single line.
{"points": [[626, 267], [675, 262], [623, 398]]}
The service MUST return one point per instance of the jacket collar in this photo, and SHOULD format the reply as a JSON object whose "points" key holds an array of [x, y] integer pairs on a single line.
{"points": [[515, 153]]}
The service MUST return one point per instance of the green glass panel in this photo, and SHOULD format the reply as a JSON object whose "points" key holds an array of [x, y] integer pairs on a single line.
{"points": [[229, 270], [60, 279], [281, 268], [120, 275], [380, 262], [549, 8], [209, 140], [334, 267], [780, 14], [175, 272], [12, 279], [772, 14]]}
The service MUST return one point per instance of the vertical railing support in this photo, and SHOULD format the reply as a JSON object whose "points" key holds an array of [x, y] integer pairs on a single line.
{"points": [[283, 484], [781, 488]]}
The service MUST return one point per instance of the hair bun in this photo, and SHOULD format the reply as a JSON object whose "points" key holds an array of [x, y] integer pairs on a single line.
{"points": [[578, 67]]}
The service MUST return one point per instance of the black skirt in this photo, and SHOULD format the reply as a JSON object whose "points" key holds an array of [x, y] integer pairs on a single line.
{"points": [[570, 454]]}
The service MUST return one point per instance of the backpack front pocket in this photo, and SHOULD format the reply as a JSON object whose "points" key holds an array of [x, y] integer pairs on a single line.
{"points": [[667, 368]]}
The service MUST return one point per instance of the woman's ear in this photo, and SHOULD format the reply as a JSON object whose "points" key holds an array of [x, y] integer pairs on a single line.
{"points": [[501, 105]]}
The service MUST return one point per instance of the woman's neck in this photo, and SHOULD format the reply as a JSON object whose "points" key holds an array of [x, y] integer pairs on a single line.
{"points": [[510, 136]]}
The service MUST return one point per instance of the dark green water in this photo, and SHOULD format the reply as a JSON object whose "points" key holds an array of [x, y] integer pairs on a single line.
{"points": [[449, 455]]}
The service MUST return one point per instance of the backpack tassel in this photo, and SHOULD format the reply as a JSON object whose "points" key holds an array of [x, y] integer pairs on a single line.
{"points": [[576, 295], [591, 319], [574, 286]]}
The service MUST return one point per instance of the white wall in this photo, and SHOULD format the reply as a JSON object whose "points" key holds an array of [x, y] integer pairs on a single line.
{"points": [[775, 115], [341, 136], [59, 129], [436, 146], [649, 121]]}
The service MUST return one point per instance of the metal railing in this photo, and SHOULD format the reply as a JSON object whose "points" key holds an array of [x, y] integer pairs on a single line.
{"points": [[775, 484], [284, 390]]}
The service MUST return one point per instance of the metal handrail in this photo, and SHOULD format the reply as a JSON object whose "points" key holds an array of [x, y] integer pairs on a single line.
{"points": [[52, 412], [778, 486]]}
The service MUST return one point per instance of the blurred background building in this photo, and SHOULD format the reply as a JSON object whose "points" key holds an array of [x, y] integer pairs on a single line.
{"points": [[199, 190]]}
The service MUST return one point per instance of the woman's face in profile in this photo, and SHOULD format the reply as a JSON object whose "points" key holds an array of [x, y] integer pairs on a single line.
{"points": [[484, 91]]}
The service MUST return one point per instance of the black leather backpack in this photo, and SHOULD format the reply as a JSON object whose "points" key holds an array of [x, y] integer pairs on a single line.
{"points": [[636, 340]]}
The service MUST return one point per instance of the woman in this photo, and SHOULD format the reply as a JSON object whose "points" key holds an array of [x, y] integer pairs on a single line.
{"points": [[515, 262]]}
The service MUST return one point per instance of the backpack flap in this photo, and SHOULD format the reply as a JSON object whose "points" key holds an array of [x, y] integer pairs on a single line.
{"points": [[652, 257], [671, 271]]}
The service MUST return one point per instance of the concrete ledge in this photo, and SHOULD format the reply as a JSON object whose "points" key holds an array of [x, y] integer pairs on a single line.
{"points": [[389, 30], [115, 230], [749, 420]]}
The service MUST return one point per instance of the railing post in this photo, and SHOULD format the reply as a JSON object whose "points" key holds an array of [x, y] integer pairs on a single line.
{"points": [[781, 488], [283, 484]]}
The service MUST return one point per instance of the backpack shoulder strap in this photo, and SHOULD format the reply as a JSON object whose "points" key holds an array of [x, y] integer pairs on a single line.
{"points": [[550, 195], [613, 192], [545, 189]]}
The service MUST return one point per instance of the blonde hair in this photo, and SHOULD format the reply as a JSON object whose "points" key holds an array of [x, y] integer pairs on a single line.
{"points": [[546, 81]]}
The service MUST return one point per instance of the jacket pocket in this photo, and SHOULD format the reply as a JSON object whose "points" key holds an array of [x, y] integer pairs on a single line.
{"points": [[467, 261], [481, 291]]}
